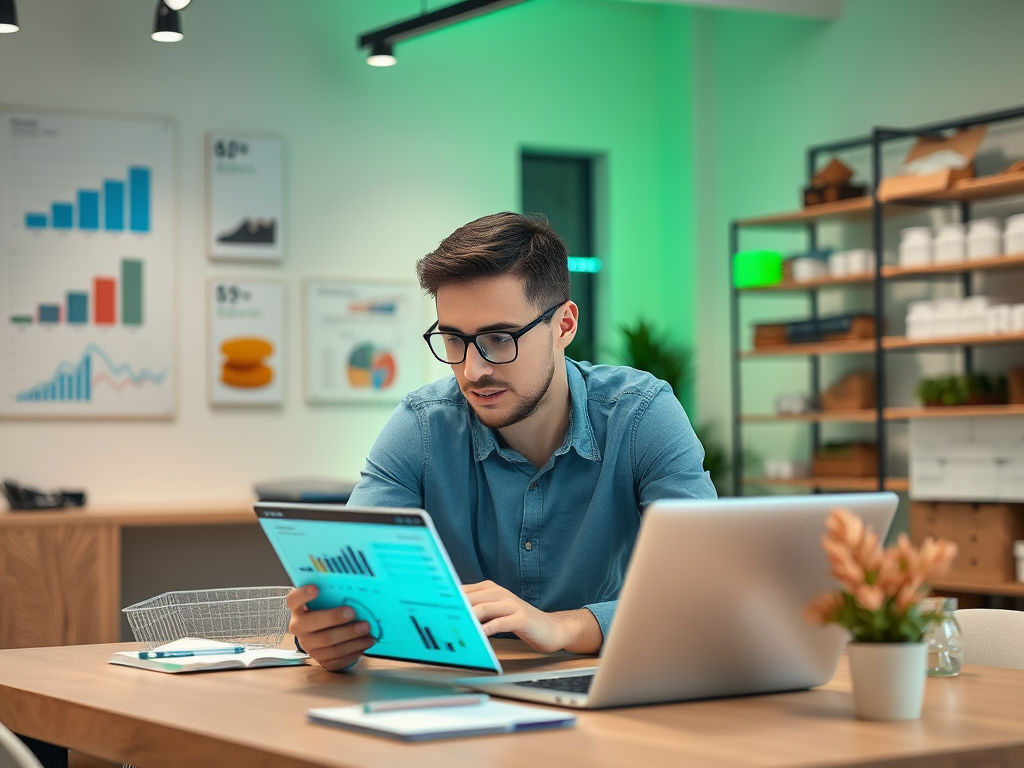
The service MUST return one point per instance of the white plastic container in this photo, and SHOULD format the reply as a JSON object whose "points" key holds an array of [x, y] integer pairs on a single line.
{"points": [[946, 317], [860, 261], [1017, 318], [806, 269], [838, 265], [974, 316], [920, 316], [950, 245], [1018, 554], [1013, 238], [984, 238], [915, 247], [999, 320]]}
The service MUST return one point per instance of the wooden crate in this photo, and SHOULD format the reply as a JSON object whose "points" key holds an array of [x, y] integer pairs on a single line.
{"points": [[847, 460]]}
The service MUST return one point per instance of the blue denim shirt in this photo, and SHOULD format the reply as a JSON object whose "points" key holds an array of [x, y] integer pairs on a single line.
{"points": [[559, 537]]}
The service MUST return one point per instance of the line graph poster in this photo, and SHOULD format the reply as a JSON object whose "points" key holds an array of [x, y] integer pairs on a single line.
{"points": [[362, 341], [86, 266]]}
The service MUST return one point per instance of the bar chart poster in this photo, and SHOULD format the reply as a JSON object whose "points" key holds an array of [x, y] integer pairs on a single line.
{"points": [[245, 197], [363, 341], [86, 266], [246, 365]]}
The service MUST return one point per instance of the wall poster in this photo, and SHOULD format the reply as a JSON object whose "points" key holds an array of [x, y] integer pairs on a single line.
{"points": [[363, 340], [245, 197], [86, 266], [246, 342]]}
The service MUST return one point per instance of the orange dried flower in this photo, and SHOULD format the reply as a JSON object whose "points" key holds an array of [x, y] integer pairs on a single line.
{"points": [[880, 587]]}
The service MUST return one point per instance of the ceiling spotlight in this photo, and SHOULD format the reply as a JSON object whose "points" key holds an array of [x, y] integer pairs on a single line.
{"points": [[8, 17], [381, 54], [177, 5], [167, 25]]}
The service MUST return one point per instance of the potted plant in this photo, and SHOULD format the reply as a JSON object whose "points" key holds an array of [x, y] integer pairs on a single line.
{"points": [[879, 605]]}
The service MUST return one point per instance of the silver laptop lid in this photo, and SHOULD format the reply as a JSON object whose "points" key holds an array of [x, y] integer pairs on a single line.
{"points": [[713, 600]]}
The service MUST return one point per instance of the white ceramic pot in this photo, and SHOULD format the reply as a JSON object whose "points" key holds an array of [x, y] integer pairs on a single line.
{"points": [[888, 679]]}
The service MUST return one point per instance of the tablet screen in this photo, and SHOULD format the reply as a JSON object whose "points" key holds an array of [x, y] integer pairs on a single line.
{"points": [[388, 565]]}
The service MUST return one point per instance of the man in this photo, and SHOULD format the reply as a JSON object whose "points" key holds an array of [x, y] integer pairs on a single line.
{"points": [[534, 468]]}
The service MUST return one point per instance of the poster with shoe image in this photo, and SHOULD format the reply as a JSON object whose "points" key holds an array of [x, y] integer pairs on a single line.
{"points": [[245, 197], [245, 356]]}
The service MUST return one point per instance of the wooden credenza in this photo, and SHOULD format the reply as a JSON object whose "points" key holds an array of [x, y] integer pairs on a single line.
{"points": [[61, 571]]}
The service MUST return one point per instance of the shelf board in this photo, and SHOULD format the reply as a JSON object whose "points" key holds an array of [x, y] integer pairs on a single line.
{"points": [[1009, 588], [982, 188], [902, 342], [854, 208], [817, 348], [834, 483], [860, 414], [953, 412], [975, 265], [809, 285]]}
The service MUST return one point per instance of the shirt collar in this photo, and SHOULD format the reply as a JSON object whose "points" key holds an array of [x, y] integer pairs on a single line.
{"points": [[580, 435]]}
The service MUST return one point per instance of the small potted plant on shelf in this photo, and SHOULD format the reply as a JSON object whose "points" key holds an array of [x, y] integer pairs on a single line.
{"points": [[879, 605]]}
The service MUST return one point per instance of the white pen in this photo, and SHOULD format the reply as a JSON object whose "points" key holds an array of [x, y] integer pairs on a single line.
{"points": [[429, 702]]}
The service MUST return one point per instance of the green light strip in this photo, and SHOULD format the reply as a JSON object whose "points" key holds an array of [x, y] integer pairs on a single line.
{"points": [[21, 319], [590, 264]]}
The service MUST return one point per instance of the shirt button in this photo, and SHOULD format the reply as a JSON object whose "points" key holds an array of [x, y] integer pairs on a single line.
{"points": [[529, 546], [533, 486]]}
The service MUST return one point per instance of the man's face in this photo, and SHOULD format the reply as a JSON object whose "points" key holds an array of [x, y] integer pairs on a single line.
{"points": [[500, 395]]}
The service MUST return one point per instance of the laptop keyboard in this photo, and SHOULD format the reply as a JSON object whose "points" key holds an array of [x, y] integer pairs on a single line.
{"points": [[575, 684]]}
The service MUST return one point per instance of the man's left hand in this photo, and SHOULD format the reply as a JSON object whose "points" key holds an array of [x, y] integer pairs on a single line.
{"points": [[499, 610]]}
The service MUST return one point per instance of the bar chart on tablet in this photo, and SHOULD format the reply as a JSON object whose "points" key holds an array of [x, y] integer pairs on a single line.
{"points": [[86, 266]]}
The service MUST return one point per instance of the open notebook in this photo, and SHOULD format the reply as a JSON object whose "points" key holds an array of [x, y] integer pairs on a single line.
{"points": [[209, 661]]}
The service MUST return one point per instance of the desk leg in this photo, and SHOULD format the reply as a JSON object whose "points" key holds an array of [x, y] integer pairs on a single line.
{"points": [[50, 755]]}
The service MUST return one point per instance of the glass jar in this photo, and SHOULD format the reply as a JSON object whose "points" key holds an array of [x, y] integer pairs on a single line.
{"points": [[944, 638]]}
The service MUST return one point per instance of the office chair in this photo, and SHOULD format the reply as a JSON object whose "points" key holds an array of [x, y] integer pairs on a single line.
{"points": [[14, 753], [992, 637]]}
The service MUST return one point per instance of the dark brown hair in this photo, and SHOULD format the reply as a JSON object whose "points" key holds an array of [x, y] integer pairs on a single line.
{"points": [[502, 244]]}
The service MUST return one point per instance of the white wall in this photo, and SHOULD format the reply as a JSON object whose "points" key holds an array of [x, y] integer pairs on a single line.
{"points": [[381, 165]]}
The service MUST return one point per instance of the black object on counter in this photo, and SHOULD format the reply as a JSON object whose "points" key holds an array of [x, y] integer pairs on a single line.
{"points": [[23, 498]]}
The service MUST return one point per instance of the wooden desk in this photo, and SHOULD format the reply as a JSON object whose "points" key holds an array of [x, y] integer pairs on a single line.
{"points": [[72, 697], [60, 571]]}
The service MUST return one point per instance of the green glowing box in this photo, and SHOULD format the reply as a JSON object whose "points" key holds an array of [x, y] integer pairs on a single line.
{"points": [[756, 269]]}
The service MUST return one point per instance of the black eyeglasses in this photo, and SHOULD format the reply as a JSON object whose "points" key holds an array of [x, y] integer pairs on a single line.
{"points": [[498, 347]]}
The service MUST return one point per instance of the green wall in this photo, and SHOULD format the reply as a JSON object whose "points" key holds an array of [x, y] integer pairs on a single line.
{"points": [[769, 86], [381, 165]]}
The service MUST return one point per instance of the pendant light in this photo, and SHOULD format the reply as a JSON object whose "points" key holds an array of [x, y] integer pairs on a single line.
{"points": [[8, 17], [167, 24]]}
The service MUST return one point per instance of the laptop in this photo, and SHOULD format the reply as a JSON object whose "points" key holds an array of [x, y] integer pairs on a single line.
{"points": [[390, 567], [712, 605]]}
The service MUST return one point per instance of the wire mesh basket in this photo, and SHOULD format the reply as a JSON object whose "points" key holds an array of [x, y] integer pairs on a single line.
{"points": [[256, 617]]}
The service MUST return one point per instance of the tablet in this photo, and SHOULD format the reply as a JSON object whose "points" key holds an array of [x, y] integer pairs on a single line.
{"points": [[390, 567]]}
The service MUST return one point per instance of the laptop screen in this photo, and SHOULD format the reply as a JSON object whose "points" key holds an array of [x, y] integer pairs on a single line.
{"points": [[390, 568]]}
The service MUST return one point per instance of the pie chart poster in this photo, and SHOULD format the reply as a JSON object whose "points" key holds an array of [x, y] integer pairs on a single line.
{"points": [[245, 197], [245, 363], [363, 341]]}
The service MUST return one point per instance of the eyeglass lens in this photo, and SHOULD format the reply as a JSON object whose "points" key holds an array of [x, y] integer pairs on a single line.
{"points": [[495, 347]]}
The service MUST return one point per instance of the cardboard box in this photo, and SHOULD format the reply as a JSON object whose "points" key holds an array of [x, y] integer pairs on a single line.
{"points": [[983, 533], [964, 143]]}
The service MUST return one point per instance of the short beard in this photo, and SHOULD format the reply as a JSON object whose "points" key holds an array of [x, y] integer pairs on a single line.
{"points": [[526, 408]]}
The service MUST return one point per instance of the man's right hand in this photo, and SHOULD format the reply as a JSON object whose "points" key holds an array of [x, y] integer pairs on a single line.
{"points": [[331, 636]]}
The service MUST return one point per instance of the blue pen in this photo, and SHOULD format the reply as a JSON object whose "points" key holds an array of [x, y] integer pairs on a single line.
{"points": [[184, 654]]}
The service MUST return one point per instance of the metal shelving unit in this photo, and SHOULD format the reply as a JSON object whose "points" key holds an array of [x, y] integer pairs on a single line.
{"points": [[961, 194]]}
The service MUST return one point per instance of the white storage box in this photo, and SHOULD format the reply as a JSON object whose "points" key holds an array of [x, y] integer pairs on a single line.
{"points": [[915, 247], [998, 320], [984, 238], [1013, 238], [950, 244]]}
